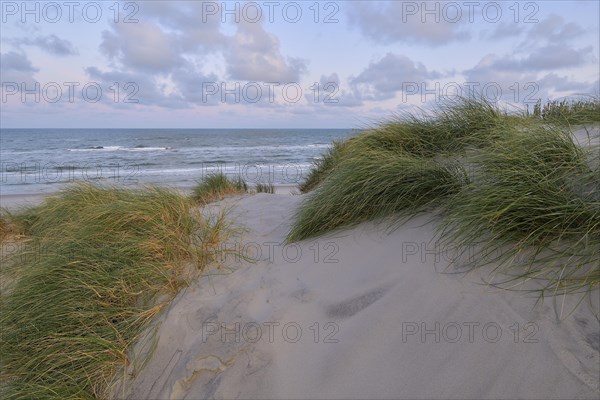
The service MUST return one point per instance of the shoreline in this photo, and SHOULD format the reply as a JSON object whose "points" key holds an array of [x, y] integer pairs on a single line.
{"points": [[16, 201]]}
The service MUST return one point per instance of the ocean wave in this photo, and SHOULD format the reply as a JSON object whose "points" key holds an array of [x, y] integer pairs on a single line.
{"points": [[243, 147], [120, 148]]}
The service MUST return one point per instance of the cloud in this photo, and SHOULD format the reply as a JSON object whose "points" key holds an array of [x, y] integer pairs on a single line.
{"points": [[520, 81], [505, 30], [553, 29], [144, 46], [134, 89], [195, 30], [382, 79], [493, 72], [556, 56], [13, 61], [402, 22], [196, 88], [254, 55], [546, 48], [550, 57], [51, 44], [16, 67], [330, 93], [564, 84], [171, 37]]}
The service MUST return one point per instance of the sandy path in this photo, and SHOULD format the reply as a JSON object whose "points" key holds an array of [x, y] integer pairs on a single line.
{"points": [[368, 315]]}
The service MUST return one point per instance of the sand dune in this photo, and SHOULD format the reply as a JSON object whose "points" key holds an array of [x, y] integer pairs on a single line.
{"points": [[368, 315]]}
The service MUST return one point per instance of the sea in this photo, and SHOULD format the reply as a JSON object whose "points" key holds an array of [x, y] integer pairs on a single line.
{"points": [[45, 160]]}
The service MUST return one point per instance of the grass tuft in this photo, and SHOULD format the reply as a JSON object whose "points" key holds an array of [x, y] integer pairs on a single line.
{"points": [[11, 226], [401, 166], [97, 265], [215, 187], [453, 127], [265, 188], [533, 208], [373, 185], [322, 167], [569, 112], [516, 186]]}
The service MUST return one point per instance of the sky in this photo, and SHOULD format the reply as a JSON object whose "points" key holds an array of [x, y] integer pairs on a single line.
{"points": [[284, 64]]}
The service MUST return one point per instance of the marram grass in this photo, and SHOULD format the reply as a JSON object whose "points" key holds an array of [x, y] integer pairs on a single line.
{"points": [[569, 112], [514, 186], [533, 208], [215, 187], [396, 168], [322, 167], [97, 265], [11, 226], [450, 129], [372, 185], [265, 188]]}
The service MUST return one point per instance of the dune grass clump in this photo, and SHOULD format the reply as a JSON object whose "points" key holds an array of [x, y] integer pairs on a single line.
{"points": [[11, 226], [215, 187], [570, 112], [396, 168], [322, 167], [518, 189], [97, 265], [533, 208], [373, 185], [449, 130], [265, 188]]}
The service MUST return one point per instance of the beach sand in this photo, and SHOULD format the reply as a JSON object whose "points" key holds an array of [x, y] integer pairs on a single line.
{"points": [[359, 313], [15, 202]]}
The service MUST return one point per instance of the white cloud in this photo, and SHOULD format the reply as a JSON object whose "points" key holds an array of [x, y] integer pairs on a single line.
{"points": [[554, 29], [143, 46], [51, 44], [566, 85], [175, 41], [556, 56], [134, 89], [400, 22], [16, 67], [520, 80], [254, 55], [195, 30], [505, 30], [382, 79], [330, 93]]}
